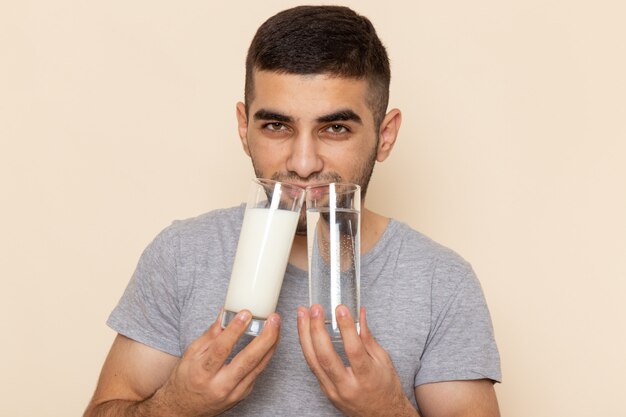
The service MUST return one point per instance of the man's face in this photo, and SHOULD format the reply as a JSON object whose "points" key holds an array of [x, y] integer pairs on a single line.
{"points": [[309, 129]]}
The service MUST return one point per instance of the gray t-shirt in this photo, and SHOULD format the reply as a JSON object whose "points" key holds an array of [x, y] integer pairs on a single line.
{"points": [[425, 307]]}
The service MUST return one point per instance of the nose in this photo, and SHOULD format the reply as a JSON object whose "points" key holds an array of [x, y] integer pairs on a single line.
{"points": [[304, 159]]}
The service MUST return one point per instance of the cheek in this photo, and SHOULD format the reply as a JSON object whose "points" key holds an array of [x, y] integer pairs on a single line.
{"points": [[267, 157], [346, 159]]}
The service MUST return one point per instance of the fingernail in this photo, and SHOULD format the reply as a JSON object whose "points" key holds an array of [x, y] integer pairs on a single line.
{"points": [[243, 316], [275, 321], [315, 311], [300, 313], [342, 311]]}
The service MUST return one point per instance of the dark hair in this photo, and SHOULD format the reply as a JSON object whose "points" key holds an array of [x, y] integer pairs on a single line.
{"points": [[322, 40]]}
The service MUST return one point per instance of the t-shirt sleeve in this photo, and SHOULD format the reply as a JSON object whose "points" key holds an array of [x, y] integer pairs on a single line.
{"points": [[461, 343], [148, 311]]}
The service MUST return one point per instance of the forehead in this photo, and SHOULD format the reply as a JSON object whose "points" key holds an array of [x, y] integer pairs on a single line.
{"points": [[309, 95]]}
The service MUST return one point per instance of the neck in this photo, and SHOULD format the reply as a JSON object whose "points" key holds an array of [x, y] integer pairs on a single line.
{"points": [[373, 226]]}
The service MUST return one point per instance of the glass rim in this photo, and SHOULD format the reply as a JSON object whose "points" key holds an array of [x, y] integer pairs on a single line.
{"points": [[267, 181], [340, 187]]}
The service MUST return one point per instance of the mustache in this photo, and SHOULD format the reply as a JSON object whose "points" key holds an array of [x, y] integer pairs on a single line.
{"points": [[316, 178]]}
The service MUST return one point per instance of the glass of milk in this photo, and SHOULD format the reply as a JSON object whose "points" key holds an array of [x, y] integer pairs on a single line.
{"points": [[267, 232], [333, 214]]}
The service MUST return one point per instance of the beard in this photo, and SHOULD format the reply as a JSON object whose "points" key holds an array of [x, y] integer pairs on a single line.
{"points": [[361, 177]]}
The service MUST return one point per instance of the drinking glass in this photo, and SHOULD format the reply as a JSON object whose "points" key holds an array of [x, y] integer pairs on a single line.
{"points": [[333, 213], [267, 232]]}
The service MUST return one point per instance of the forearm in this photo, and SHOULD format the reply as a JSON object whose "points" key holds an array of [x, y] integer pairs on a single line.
{"points": [[404, 409], [150, 407], [395, 406], [165, 402], [115, 408], [123, 408], [409, 410]]}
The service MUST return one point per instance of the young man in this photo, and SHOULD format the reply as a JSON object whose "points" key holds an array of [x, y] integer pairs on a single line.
{"points": [[317, 83]]}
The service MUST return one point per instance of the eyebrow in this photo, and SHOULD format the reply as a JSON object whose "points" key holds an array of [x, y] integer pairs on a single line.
{"points": [[346, 115], [264, 114]]}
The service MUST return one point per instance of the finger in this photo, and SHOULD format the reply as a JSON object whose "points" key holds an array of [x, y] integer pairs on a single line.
{"points": [[244, 387], [360, 361], [370, 343], [304, 333], [213, 358], [326, 355], [252, 355], [365, 330], [202, 343]]}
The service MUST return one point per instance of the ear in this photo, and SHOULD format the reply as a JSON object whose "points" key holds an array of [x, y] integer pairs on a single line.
{"points": [[242, 126], [388, 134]]}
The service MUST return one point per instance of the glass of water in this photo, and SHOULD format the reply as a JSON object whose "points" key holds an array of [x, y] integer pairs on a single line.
{"points": [[333, 213]]}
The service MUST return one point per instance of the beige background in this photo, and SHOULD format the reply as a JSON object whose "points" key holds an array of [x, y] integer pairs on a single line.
{"points": [[117, 117]]}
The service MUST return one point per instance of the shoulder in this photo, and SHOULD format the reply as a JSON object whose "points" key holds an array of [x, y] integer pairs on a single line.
{"points": [[209, 230], [445, 270], [413, 245], [218, 221]]}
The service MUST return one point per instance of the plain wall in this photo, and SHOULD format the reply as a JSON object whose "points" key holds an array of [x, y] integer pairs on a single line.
{"points": [[117, 117]]}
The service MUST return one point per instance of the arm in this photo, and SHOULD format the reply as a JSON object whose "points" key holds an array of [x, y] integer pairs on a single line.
{"points": [[137, 380], [370, 386], [131, 373], [474, 398]]}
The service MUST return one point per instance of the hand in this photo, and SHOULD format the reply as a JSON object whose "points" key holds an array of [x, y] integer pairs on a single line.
{"points": [[370, 386], [202, 385]]}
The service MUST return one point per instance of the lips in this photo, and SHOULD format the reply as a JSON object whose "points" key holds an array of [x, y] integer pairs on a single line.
{"points": [[314, 180], [308, 185], [304, 186], [314, 191]]}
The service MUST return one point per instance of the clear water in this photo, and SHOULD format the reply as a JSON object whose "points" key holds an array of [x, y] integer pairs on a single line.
{"points": [[334, 262]]}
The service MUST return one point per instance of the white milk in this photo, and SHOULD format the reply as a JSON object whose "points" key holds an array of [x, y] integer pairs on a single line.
{"points": [[262, 255]]}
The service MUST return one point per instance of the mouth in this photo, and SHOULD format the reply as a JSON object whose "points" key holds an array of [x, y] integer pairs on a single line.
{"points": [[313, 180], [303, 186], [298, 184]]}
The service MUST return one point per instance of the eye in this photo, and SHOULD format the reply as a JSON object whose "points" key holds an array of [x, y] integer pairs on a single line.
{"points": [[337, 129], [275, 126]]}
